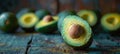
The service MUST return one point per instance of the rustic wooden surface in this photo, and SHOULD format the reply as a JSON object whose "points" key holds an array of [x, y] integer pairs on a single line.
{"points": [[37, 43], [14, 43]]}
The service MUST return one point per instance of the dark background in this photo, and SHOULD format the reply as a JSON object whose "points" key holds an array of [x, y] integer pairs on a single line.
{"points": [[55, 6]]}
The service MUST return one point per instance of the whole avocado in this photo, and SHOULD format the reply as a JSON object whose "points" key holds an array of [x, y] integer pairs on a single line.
{"points": [[8, 22]]}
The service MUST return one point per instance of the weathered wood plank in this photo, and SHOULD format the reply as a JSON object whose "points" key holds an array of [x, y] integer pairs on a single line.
{"points": [[42, 43], [14, 43], [108, 6]]}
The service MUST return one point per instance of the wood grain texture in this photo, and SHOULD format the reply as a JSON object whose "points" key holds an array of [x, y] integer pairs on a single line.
{"points": [[14, 43], [37, 43], [53, 43], [108, 6]]}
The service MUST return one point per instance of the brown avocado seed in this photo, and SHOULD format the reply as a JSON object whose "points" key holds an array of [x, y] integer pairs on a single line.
{"points": [[75, 31], [7, 22], [48, 18]]}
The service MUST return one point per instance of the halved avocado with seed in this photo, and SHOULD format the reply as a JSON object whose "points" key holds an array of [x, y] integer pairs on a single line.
{"points": [[111, 22], [62, 15], [47, 25], [23, 11], [88, 15], [76, 32], [28, 21], [41, 13], [8, 22]]}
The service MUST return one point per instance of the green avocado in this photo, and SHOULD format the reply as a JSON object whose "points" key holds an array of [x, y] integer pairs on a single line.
{"points": [[41, 13], [8, 22], [111, 22], [62, 15], [28, 21], [89, 15], [23, 11], [47, 25], [76, 32]]}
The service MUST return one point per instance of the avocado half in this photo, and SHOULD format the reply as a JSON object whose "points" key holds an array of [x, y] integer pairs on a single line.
{"points": [[23, 11], [28, 21], [89, 15], [47, 25], [76, 32], [111, 22], [8, 22], [41, 13], [62, 15]]}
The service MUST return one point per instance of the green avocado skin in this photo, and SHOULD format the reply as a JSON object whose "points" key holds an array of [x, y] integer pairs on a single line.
{"points": [[41, 13], [86, 46], [47, 29], [23, 11], [13, 24], [98, 14], [62, 15], [29, 30]]}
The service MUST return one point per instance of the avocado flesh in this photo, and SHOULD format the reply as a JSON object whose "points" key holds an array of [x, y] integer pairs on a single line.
{"points": [[47, 27], [62, 15], [83, 39], [110, 22], [88, 15], [6, 22], [28, 20]]}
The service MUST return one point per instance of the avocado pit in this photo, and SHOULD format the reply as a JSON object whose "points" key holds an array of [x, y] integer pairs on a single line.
{"points": [[7, 22], [48, 18], [75, 31]]}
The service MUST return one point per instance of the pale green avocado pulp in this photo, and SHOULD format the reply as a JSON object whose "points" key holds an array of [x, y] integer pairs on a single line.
{"points": [[111, 21], [82, 39], [28, 20], [42, 23], [89, 16]]}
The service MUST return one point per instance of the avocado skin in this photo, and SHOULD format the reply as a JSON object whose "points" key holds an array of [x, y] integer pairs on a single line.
{"points": [[86, 46], [23, 11], [48, 29], [98, 14], [62, 15], [115, 33], [41, 13], [29, 30], [13, 23]]}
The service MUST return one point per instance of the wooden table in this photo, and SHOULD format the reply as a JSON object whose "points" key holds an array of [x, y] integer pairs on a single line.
{"points": [[37, 43]]}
